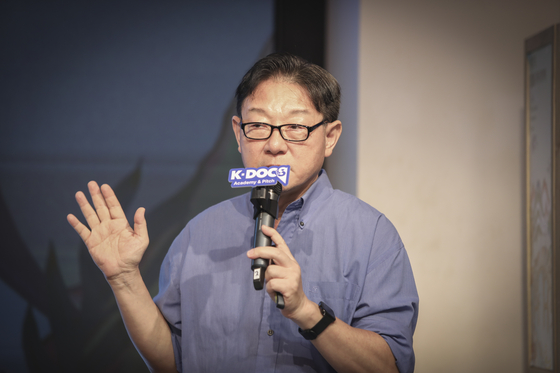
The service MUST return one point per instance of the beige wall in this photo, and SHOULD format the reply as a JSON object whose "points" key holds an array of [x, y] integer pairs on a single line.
{"points": [[441, 152]]}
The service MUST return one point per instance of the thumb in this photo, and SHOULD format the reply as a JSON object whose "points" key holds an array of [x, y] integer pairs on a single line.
{"points": [[140, 225]]}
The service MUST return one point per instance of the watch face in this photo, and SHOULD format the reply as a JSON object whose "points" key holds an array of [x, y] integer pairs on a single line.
{"points": [[326, 309]]}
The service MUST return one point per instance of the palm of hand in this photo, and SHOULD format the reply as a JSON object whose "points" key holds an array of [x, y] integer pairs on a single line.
{"points": [[115, 247]]}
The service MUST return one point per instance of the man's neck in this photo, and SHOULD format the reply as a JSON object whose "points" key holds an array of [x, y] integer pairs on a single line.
{"points": [[292, 196]]}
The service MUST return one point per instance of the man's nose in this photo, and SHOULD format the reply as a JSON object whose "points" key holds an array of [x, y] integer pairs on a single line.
{"points": [[276, 142]]}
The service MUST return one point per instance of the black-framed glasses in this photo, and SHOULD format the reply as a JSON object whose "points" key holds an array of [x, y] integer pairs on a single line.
{"points": [[289, 132]]}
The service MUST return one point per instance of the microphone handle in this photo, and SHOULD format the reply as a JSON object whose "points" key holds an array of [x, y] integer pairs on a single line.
{"points": [[259, 265], [262, 239]]}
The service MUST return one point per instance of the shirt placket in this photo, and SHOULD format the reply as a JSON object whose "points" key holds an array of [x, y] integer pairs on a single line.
{"points": [[271, 321], [267, 351]]}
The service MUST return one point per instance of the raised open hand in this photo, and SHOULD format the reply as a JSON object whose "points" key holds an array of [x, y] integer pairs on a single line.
{"points": [[115, 247]]}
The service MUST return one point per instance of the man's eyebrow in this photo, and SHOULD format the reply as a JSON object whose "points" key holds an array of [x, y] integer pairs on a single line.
{"points": [[299, 111], [256, 110], [292, 112]]}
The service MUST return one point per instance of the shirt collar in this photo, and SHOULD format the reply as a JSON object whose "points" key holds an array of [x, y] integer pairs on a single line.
{"points": [[319, 190]]}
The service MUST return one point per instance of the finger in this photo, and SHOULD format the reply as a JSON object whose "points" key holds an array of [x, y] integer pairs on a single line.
{"points": [[89, 213], [140, 226], [98, 201], [78, 227], [270, 289], [279, 286], [112, 202], [292, 271], [265, 252], [276, 272], [288, 286], [270, 252], [278, 240], [275, 285]]}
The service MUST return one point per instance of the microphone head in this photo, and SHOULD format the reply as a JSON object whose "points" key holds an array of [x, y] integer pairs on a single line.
{"points": [[265, 198], [277, 188]]}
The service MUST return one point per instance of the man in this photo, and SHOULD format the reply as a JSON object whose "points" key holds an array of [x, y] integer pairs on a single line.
{"points": [[349, 293]]}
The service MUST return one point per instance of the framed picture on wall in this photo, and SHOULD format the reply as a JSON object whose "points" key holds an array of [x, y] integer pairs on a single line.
{"points": [[542, 105]]}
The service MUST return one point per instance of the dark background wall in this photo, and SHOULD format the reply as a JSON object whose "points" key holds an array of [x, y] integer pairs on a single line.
{"points": [[137, 94], [300, 28]]}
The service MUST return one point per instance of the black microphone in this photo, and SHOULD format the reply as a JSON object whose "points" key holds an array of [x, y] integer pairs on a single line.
{"points": [[265, 203]]}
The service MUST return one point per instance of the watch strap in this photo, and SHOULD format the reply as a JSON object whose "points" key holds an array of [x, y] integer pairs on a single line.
{"points": [[328, 318]]}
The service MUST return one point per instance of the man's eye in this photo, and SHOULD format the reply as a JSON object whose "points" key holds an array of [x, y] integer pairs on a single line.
{"points": [[294, 127]]}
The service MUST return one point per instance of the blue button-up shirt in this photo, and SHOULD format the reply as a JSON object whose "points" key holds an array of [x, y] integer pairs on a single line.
{"points": [[351, 258]]}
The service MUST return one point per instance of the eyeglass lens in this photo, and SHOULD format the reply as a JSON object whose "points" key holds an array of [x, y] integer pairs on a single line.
{"points": [[261, 131]]}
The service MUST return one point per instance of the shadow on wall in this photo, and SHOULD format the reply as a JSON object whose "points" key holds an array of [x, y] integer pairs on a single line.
{"points": [[92, 338], [99, 90]]}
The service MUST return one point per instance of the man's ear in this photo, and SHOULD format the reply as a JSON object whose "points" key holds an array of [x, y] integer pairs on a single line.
{"points": [[236, 125], [332, 134]]}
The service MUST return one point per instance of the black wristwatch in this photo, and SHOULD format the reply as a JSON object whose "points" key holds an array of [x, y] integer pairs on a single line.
{"points": [[328, 319]]}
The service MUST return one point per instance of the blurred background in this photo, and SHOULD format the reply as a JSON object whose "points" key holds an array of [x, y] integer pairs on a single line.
{"points": [[139, 94]]}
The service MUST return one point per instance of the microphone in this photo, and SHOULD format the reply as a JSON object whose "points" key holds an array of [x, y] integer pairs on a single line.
{"points": [[265, 207]]}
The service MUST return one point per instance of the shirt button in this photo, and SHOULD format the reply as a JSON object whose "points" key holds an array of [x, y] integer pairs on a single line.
{"points": [[301, 223], [270, 332]]}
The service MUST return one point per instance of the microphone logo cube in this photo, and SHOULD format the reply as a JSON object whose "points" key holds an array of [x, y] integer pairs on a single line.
{"points": [[262, 176]]}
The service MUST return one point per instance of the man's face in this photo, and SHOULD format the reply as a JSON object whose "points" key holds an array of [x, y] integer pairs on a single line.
{"points": [[277, 102]]}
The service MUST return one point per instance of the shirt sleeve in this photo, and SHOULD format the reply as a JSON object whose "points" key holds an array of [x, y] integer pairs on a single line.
{"points": [[389, 301], [168, 299]]}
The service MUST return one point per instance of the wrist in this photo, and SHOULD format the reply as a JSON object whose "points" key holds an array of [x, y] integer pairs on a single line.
{"points": [[125, 280], [327, 319], [308, 316]]}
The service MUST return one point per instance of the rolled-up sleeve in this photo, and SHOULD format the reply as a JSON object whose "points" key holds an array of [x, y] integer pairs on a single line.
{"points": [[389, 301]]}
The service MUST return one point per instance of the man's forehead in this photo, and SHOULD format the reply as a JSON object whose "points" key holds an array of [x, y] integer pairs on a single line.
{"points": [[293, 98]]}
